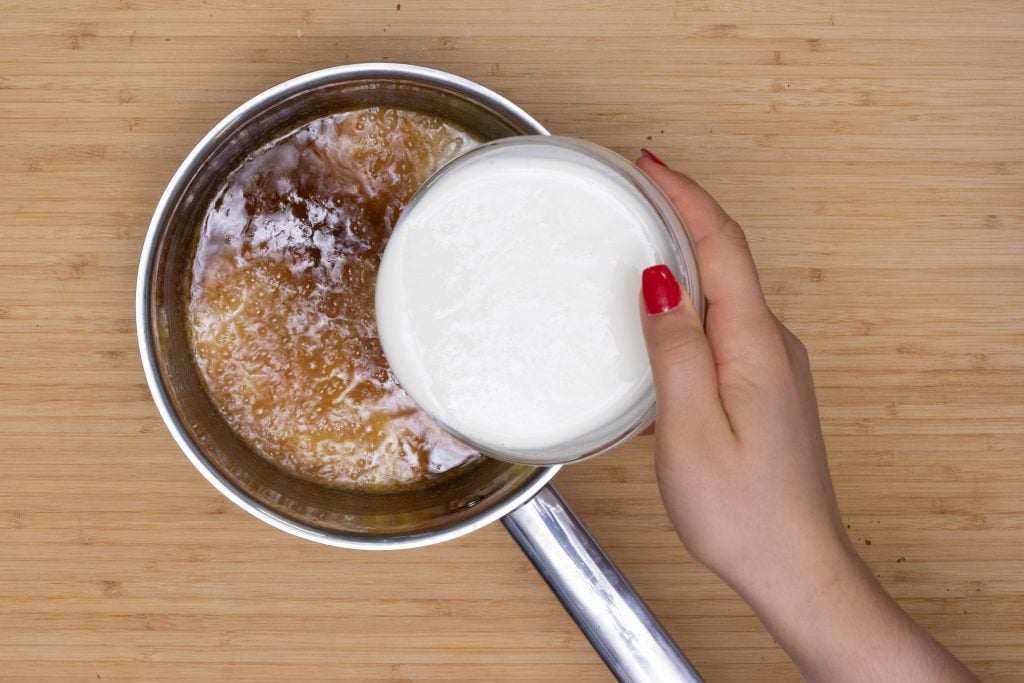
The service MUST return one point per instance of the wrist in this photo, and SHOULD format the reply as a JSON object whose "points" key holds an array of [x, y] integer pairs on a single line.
{"points": [[801, 587], [830, 611]]}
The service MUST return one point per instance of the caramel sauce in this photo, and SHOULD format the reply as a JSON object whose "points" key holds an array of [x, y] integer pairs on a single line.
{"points": [[281, 303]]}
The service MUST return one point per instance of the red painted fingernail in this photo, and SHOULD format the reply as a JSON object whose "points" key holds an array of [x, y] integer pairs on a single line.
{"points": [[661, 290], [652, 156]]}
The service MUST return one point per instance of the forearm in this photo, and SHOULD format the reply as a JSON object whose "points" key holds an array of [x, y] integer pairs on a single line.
{"points": [[841, 625]]}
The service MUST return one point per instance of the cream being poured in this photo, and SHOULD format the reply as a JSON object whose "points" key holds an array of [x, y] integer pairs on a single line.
{"points": [[507, 298]]}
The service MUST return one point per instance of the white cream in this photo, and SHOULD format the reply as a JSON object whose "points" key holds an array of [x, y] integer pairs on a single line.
{"points": [[507, 298]]}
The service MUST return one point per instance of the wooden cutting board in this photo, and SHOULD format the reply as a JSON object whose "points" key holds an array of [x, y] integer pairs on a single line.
{"points": [[874, 153]]}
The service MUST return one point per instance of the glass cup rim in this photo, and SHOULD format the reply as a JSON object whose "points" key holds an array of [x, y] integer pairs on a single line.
{"points": [[683, 265]]}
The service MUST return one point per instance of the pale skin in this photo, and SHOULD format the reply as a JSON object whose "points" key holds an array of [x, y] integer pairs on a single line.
{"points": [[742, 469]]}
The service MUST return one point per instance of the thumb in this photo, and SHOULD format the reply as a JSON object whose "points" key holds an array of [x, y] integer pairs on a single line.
{"points": [[685, 378]]}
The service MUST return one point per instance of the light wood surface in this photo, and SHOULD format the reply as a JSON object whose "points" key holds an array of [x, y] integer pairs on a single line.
{"points": [[874, 151]]}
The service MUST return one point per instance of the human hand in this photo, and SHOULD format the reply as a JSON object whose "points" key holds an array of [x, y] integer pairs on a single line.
{"points": [[742, 468], [738, 448]]}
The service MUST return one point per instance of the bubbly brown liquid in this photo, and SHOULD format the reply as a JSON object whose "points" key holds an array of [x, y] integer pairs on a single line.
{"points": [[281, 303]]}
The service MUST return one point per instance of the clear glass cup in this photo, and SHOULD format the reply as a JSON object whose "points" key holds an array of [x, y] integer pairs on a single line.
{"points": [[677, 252]]}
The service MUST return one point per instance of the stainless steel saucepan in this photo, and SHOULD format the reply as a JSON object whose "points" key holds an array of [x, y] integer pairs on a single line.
{"points": [[615, 620]]}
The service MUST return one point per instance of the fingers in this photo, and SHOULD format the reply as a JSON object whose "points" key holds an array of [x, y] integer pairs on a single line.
{"points": [[684, 371], [726, 266]]}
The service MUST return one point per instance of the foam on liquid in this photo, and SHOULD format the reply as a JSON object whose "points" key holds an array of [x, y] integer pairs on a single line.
{"points": [[507, 299], [280, 307]]}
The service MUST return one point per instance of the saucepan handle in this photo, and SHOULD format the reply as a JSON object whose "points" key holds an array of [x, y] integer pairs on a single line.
{"points": [[604, 605]]}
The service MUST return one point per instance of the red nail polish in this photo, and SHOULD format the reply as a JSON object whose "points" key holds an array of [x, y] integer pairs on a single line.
{"points": [[661, 290], [652, 156]]}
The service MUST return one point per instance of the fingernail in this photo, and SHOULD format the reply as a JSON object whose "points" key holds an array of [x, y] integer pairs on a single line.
{"points": [[661, 289], [652, 156]]}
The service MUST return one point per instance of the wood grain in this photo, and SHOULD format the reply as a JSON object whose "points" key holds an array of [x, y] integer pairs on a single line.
{"points": [[874, 152]]}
